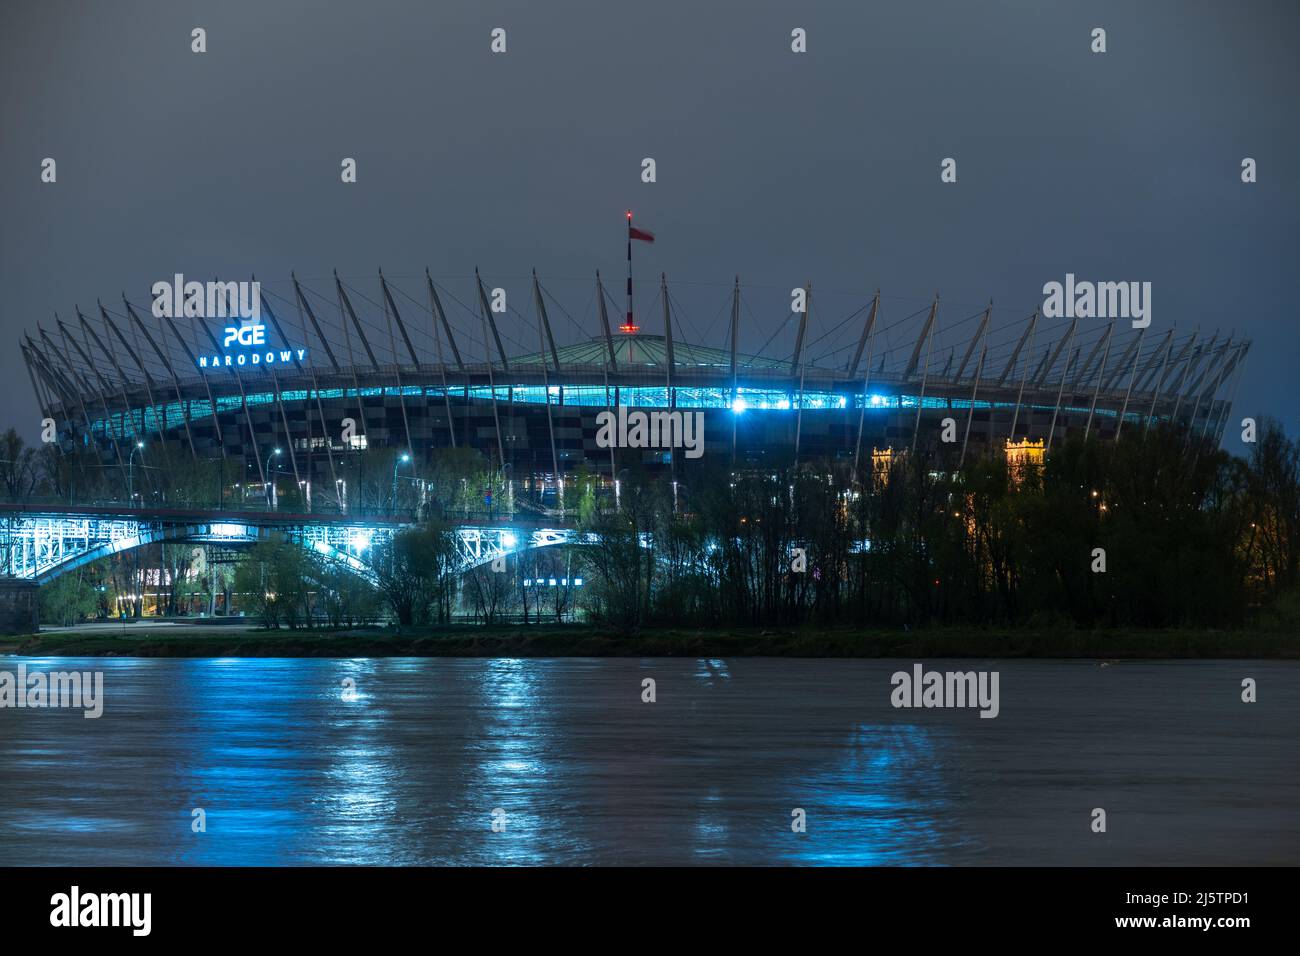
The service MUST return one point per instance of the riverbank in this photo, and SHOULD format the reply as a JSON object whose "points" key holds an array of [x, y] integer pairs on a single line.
{"points": [[587, 641]]}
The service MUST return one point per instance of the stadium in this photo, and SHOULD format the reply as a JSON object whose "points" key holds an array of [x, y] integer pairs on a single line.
{"points": [[331, 369]]}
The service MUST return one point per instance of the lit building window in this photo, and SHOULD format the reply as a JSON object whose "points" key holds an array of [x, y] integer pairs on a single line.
{"points": [[1023, 455]]}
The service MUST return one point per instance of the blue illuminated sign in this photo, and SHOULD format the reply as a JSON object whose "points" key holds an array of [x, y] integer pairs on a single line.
{"points": [[254, 336]]}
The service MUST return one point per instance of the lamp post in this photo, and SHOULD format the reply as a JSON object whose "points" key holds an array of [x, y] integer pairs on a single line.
{"points": [[405, 457], [275, 470], [130, 473], [618, 487], [509, 487]]}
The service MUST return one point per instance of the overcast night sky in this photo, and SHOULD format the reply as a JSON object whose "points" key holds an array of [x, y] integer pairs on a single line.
{"points": [[777, 166]]}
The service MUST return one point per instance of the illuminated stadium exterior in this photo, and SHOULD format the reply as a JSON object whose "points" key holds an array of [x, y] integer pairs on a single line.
{"points": [[404, 378]]}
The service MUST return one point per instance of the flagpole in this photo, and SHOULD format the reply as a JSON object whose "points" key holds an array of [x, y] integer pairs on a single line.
{"points": [[629, 326]]}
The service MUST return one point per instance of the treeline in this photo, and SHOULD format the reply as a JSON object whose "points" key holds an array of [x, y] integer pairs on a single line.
{"points": [[449, 481], [417, 580], [175, 576], [1156, 530]]}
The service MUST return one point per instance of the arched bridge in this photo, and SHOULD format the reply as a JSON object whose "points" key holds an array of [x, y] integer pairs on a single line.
{"points": [[39, 543]]}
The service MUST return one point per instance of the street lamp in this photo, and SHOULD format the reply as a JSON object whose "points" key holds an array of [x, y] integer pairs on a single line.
{"points": [[509, 488], [405, 457], [130, 472], [618, 487], [275, 468]]}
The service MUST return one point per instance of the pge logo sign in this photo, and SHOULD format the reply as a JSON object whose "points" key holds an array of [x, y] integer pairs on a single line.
{"points": [[245, 335]]}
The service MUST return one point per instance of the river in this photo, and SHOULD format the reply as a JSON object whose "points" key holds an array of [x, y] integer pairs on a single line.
{"points": [[290, 766]]}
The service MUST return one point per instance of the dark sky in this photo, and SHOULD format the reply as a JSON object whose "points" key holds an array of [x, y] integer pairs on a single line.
{"points": [[776, 166]]}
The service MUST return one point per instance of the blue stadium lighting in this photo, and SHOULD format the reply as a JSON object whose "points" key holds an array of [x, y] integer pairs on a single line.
{"points": [[555, 392]]}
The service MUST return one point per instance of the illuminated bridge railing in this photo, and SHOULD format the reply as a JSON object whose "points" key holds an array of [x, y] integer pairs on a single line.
{"points": [[34, 546], [41, 546]]}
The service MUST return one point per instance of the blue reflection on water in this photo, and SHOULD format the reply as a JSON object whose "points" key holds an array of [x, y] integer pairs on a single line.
{"points": [[238, 754], [708, 669], [399, 761], [410, 770], [880, 803], [509, 766]]}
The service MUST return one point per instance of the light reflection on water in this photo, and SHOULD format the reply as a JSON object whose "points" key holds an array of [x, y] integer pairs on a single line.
{"points": [[290, 770]]}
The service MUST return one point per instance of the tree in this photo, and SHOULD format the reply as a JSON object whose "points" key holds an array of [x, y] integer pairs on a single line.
{"points": [[275, 579], [18, 471], [1274, 483], [622, 571], [346, 598], [413, 569], [68, 599]]}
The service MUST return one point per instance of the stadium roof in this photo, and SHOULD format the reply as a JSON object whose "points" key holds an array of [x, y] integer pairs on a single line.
{"points": [[640, 350], [354, 336]]}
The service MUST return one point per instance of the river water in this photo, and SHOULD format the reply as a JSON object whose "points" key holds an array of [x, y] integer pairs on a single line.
{"points": [[291, 766]]}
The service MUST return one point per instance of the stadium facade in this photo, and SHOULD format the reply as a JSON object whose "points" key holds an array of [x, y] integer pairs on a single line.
{"points": [[321, 376]]}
